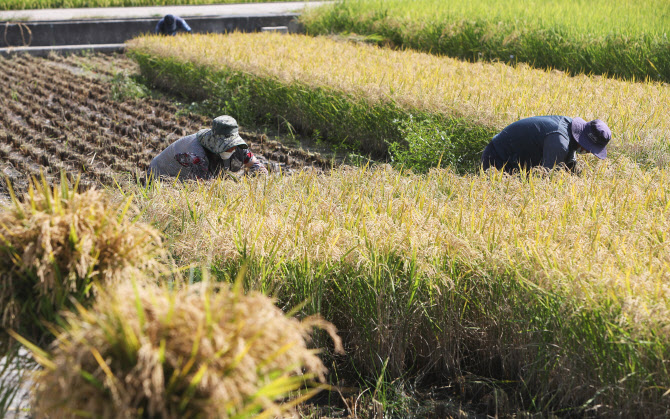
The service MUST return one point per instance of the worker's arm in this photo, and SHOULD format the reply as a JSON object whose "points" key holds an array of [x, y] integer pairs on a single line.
{"points": [[181, 24], [255, 166], [250, 161], [555, 151], [197, 165], [157, 30]]}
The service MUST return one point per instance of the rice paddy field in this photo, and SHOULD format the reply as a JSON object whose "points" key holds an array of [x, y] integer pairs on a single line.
{"points": [[534, 283], [622, 38], [454, 292], [388, 96]]}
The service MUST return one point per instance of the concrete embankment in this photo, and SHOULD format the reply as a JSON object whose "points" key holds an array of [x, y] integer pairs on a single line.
{"points": [[39, 32]]}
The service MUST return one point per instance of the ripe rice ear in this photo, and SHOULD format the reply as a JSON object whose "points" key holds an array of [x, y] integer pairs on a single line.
{"points": [[57, 244], [199, 351]]}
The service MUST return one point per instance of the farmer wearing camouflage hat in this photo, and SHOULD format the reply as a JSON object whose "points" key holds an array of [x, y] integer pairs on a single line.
{"points": [[207, 153], [546, 141]]}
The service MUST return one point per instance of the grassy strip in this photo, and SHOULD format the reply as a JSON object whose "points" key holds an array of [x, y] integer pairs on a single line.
{"points": [[549, 288], [345, 120], [363, 95], [66, 4], [624, 38]]}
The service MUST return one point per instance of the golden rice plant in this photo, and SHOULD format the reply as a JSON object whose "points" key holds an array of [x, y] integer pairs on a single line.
{"points": [[58, 244], [489, 94], [201, 351], [598, 237], [622, 38], [440, 265]]}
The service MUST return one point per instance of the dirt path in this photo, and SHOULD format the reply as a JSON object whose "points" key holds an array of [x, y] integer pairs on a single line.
{"points": [[59, 114], [15, 377]]}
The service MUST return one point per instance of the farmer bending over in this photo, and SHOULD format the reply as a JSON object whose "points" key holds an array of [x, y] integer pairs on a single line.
{"points": [[207, 153], [546, 141], [170, 24]]}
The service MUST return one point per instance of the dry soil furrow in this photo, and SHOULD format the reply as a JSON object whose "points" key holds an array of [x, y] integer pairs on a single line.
{"points": [[59, 115]]}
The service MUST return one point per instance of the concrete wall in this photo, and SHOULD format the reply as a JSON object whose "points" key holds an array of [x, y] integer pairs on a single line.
{"points": [[85, 32]]}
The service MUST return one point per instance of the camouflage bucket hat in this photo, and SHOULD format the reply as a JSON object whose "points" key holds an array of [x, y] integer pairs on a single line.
{"points": [[223, 135]]}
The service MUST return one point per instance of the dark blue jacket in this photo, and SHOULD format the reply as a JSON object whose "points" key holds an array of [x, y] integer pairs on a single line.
{"points": [[164, 28], [536, 141]]}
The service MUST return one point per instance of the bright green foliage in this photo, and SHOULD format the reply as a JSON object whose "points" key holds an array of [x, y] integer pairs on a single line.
{"points": [[125, 87], [432, 141], [64, 4], [624, 38]]}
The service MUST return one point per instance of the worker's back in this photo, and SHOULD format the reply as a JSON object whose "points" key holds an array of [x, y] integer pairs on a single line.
{"points": [[169, 161], [524, 142]]}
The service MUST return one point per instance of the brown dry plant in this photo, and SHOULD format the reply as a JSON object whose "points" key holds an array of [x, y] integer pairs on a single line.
{"points": [[200, 351], [59, 244]]}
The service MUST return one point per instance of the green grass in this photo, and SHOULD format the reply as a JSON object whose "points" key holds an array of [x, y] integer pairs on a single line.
{"points": [[64, 4], [623, 38]]}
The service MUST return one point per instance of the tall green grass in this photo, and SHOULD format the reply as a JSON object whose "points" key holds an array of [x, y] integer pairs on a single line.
{"points": [[549, 289], [371, 97], [64, 4], [623, 38]]}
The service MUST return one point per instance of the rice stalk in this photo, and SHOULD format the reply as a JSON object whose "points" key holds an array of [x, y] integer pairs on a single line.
{"points": [[59, 245], [197, 351]]}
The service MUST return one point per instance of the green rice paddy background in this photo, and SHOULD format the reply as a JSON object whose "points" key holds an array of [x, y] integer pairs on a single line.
{"points": [[622, 38]]}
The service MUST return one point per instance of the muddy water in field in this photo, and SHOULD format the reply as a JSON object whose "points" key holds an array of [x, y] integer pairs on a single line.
{"points": [[58, 114]]}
